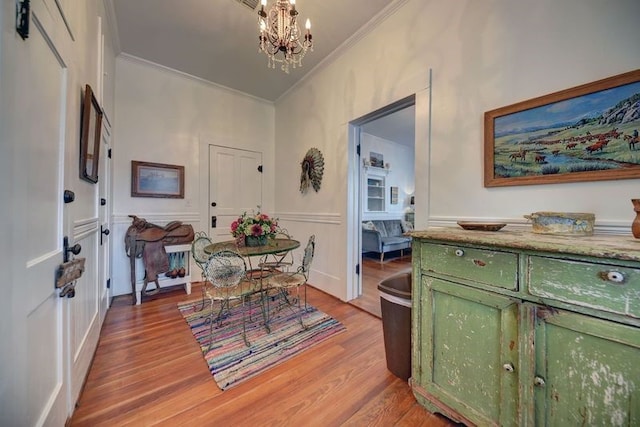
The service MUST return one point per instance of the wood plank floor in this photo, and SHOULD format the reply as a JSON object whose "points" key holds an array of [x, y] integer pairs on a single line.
{"points": [[148, 371], [373, 272]]}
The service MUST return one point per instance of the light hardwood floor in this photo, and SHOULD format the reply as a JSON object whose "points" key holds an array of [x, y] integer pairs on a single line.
{"points": [[373, 272], [148, 370]]}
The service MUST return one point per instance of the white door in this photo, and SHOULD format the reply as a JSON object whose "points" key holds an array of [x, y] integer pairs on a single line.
{"points": [[235, 186], [34, 109], [104, 251]]}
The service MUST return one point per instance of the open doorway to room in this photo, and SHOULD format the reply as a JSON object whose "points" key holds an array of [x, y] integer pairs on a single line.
{"points": [[386, 140]]}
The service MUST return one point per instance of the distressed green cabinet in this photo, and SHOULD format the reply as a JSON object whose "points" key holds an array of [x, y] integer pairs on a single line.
{"points": [[471, 370], [518, 329], [587, 371]]}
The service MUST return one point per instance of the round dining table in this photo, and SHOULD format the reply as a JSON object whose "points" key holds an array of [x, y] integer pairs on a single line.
{"points": [[273, 246]]}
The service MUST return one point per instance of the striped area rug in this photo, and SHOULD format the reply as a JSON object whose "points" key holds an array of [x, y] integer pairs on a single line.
{"points": [[231, 361]]}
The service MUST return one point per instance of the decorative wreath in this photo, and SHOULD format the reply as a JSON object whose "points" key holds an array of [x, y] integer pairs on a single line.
{"points": [[312, 170]]}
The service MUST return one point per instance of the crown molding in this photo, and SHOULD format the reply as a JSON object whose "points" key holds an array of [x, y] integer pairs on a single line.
{"points": [[112, 23], [164, 68]]}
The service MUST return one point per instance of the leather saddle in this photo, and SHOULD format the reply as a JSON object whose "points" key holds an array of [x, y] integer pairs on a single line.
{"points": [[147, 241]]}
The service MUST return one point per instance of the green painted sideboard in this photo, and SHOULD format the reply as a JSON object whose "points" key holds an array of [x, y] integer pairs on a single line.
{"points": [[512, 328]]}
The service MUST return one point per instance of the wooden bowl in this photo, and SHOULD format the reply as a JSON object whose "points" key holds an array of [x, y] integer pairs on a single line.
{"points": [[481, 226]]}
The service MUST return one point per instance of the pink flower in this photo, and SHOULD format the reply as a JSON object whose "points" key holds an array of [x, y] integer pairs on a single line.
{"points": [[234, 226], [256, 230]]}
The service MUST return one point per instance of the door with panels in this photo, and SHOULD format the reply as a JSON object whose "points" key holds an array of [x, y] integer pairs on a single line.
{"points": [[35, 79], [235, 186]]}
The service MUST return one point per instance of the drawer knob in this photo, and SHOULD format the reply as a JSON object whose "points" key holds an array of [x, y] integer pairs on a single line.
{"points": [[459, 252], [615, 276], [508, 367], [538, 382]]}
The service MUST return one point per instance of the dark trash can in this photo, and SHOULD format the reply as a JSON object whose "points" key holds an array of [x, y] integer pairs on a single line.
{"points": [[395, 302]]}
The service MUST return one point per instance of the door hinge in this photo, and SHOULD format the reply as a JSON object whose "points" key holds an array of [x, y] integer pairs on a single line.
{"points": [[358, 269], [260, 168], [108, 283], [109, 153], [358, 149], [22, 18]]}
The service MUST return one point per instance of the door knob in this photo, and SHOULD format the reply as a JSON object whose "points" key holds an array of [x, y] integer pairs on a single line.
{"points": [[538, 381], [75, 249], [214, 204], [103, 232]]}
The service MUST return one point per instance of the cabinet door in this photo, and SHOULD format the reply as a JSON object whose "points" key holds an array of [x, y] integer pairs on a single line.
{"points": [[375, 191], [469, 355], [587, 371]]}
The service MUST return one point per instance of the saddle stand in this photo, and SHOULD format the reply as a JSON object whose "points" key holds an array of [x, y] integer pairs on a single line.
{"points": [[147, 241]]}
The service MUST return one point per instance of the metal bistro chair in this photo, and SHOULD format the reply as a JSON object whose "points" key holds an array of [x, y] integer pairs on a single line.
{"points": [[225, 272], [198, 254], [286, 281], [200, 257], [278, 262]]}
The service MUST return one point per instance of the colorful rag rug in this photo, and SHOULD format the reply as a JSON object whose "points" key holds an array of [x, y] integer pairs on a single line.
{"points": [[231, 361]]}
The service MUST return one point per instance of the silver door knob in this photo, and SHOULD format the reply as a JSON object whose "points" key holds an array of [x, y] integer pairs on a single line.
{"points": [[508, 367], [538, 382]]}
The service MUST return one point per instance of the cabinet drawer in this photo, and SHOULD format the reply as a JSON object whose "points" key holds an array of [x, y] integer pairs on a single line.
{"points": [[493, 268], [606, 287]]}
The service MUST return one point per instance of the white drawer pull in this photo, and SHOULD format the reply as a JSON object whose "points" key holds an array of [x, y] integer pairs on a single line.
{"points": [[459, 252], [615, 277]]}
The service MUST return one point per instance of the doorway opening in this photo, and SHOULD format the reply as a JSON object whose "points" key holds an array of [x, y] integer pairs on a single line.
{"points": [[383, 165]]}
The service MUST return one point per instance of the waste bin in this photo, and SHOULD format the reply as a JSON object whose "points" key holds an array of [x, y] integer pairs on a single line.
{"points": [[395, 302]]}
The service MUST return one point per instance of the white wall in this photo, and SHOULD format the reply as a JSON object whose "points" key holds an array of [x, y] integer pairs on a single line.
{"points": [[400, 174], [484, 54], [167, 117]]}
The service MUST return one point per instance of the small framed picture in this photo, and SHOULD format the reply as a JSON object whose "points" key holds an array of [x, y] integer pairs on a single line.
{"points": [[376, 160], [394, 195], [157, 180]]}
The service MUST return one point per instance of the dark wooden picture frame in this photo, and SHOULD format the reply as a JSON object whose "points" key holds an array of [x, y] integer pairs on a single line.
{"points": [[586, 133], [90, 136], [157, 180]]}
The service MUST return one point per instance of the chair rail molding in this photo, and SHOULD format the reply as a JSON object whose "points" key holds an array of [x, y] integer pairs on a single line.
{"points": [[316, 217], [188, 217]]}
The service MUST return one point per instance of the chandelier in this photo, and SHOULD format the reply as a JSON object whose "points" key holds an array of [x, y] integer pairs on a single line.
{"points": [[280, 37]]}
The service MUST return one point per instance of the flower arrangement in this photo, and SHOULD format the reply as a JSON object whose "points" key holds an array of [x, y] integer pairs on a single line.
{"points": [[256, 225]]}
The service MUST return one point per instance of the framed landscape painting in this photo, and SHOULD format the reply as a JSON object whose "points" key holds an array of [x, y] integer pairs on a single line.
{"points": [[157, 180], [586, 133]]}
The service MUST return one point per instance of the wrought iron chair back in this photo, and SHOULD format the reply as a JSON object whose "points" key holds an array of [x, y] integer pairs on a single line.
{"points": [[289, 280], [225, 269], [307, 258], [200, 257], [226, 281]]}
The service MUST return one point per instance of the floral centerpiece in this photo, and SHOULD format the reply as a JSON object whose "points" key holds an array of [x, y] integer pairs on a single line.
{"points": [[254, 228]]}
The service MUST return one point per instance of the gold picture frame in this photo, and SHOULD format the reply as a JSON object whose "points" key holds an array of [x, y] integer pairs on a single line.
{"points": [[578, 134], [157, 180]]}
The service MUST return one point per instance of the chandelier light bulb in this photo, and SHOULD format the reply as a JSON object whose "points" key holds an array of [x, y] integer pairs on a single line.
{"points": [[307, 25]]}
